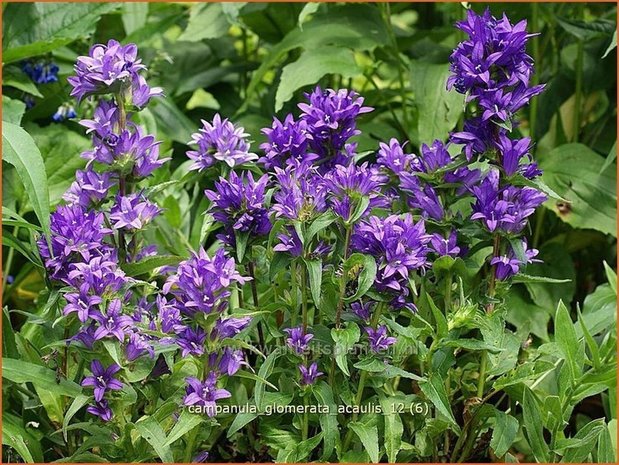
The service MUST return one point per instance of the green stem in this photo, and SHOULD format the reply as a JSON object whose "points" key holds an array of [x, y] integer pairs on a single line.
{"points": [[343, 278], [304, 295], [254, 292]]}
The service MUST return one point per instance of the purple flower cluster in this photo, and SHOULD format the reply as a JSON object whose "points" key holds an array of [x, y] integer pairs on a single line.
{"points": [[202, 286], [112, 69], [90, 234], [220, 141]]}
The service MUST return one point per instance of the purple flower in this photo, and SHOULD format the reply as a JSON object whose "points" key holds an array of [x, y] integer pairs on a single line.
{"points": [[201, 283], [77, 234], [113, 322], [508, 265], [133, 212], [230, 327], [138, 345], [422, 197], [111, 68], [101, 273], [309, 375], [238, 203], [348, 185], [83, 303], [204, 394], [191, 341], [286, 142], [301, 193], [231, 361], [363, 310], [102, 379], [399, 245], [393, 158], [505, 209], [297, 339], [89, 187], [101, 410], [445, 245], [220, 140], [331, 121], [379, 341]]}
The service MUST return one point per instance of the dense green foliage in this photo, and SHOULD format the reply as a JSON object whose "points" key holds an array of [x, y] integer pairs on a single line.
{"points": [[551, 350]]}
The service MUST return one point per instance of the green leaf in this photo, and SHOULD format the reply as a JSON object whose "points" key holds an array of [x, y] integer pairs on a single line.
{"points": [[574, 172], [186, 422], [12, 110], [345, 339], [37, 28], [328, 423], [312, 65], [206, 21], [134, 16], [434, 390], [368, 435], [504, 433], [532, 422], [16, 436], [152, 431], [583, 442], [148, 264], [321, 222], [314, 268], [265, 371], [428, 82], [525, 278], [367, 274], [567, 341], [76, 405], [19, 150], [394, 428], [358, 27], [19, 371]]}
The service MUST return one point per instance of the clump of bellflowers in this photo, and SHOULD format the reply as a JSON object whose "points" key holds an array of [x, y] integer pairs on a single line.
{"points": [[100, 226]]}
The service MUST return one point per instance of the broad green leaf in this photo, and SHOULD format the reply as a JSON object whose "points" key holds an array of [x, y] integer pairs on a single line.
{"points": [[76, 405], [532, 422], [434, 390], [574, 172], [265, 371], [19, 371], [16, 436], [206, 21], [393, 427], [358, 27], [580, 446], [567, 341], [134, 16], [428, 82], [37, 28], [19, 150], [328, 423], [504, 433], [186, 422], [345, 339], [310, 67], [151, 430], [368, 435], [12, 109], [314, 268]]}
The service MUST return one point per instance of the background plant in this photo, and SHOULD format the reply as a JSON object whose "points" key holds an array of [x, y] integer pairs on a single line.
{"points": [[251, 61]]}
